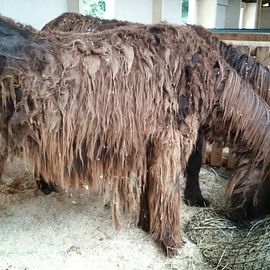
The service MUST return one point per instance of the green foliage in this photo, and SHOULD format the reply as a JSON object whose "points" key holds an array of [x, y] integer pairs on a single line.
{"points": [[185, 10], [95, 8]]}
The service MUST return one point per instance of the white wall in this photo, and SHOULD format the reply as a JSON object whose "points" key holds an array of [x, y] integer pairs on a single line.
{"points": [[265, 17], [193, 12], [144, 11], [221, 13], [243, 6], [233, 14], [171, 11], [34, 12], [110, 10], [249, 16], [207, 10], [134, 10]]}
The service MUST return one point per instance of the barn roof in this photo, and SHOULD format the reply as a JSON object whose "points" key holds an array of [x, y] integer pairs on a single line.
{"points": [[255, 1]]}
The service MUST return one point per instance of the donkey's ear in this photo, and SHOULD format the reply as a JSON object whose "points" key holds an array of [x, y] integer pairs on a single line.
{"points": [[3, 61]]}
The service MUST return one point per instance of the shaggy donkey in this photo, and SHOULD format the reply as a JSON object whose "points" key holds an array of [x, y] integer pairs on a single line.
{"points": [[94, 108], [242, 191], [74, 22]]}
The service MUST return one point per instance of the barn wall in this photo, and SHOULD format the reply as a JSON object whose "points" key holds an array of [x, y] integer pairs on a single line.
{"points": [[249, 16], [193, 12], [221, 13], [144, 11], [243, 6], [110, 10], [233, 14], [171, 11], [34, 12], [207, 10], [265, 17], [134, 11]]}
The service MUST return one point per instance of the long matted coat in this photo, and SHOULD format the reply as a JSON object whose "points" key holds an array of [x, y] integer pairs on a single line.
{"points": [[94, 108], [246, 196]]}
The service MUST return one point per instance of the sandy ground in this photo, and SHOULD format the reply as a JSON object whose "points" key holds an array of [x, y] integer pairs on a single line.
{"points": [[57, 231]]}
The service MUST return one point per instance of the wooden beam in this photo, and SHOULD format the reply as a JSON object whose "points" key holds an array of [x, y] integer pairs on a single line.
{"points": [[262, 55], [244, 36]]}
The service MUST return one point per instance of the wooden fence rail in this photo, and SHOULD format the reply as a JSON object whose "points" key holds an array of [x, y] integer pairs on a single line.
{"points": [[213, 154]]}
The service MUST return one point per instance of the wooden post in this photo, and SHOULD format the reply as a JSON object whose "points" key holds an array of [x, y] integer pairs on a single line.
{"points": [[262, 55], [245, 49]]}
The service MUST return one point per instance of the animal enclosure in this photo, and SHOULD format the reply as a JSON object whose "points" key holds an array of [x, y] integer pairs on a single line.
{"points": [[257, 46]]}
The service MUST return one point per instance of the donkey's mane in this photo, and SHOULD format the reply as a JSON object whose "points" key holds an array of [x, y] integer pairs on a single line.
{"points": [[249, 69]]}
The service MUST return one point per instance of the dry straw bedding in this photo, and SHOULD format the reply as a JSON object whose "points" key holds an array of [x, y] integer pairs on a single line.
{"points": [[224, 244], [228, 245]]}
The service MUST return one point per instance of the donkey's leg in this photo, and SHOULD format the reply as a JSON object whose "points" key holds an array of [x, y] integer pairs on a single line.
{"points": [[163, 196], [193, 194], [144, 219], [45, 186], [3, 151], [3, 159]]}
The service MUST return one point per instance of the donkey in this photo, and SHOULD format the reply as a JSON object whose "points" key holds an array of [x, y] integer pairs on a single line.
{"points": [[94, 108], [250, 71]]}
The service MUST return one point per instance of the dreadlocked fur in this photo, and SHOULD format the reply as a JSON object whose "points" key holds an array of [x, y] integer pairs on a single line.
{"points": [[251, 71], [248, 69], [94, 108], [74, 22], [248, 198], [16, 34], [242, 200]]}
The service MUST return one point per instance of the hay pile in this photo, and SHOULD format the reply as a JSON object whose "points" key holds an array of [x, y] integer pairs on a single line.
{"points": [[227, 245]]}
